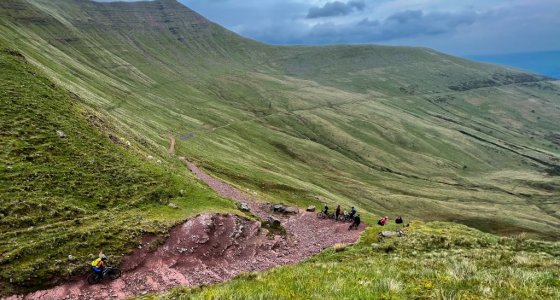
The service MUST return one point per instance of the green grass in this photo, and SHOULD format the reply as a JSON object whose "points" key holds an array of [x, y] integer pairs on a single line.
{"points": [[78, 194], [390, 130], [433, 261]]}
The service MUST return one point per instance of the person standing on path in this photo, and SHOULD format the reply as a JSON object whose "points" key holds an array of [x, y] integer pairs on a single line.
{"points": [[337, 213]]}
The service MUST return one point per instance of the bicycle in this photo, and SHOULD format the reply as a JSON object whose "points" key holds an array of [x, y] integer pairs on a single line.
{"points": [[322, 215], [112, 273]]}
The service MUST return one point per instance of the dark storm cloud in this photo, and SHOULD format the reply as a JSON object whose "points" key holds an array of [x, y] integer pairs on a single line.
{"points": [[416, 23], [405, 24], [458, 27], [336, 8]]}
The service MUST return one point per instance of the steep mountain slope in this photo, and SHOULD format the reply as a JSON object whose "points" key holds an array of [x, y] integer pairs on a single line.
{"points": [[391, 130], [71, 183]]}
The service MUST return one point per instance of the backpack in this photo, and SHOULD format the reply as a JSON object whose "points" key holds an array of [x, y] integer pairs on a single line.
{"points": [[95, 262]]}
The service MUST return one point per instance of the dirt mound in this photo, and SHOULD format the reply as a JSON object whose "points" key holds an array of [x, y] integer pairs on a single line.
{"points": [[211, 248]]}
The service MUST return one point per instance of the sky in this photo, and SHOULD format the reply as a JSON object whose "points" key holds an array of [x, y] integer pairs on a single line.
{"points": [[459, 27]]}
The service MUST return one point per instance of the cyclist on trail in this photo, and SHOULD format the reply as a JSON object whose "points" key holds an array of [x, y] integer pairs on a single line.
{"points": [[352, 212], [326, 210], [356, 222], [98, 265], [101, 269], [337, 213]]}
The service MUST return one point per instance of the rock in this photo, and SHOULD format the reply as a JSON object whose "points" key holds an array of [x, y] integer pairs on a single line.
{"points": [[310, 208], [285, 209], [173, 205], [71, 258], [291, 210], [375, 246], [243, 206], [60, 134], [278, 208], [391, 233], [273, 222]]}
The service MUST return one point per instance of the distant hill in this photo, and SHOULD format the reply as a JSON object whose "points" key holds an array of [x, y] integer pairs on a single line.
{"points": [[390, 130], [545, 63]]}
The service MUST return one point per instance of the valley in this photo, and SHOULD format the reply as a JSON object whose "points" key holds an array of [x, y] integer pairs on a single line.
{"points": [[134, 86]]}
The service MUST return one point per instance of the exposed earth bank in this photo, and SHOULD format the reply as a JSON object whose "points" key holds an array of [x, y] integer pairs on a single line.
{"points": [[210, 248]]}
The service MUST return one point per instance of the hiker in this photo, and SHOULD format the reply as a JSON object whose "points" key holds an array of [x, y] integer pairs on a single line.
{"points": [[98, 265], [383, 221], [337, 213], [356, 222], [352, 212], [399, 220]]}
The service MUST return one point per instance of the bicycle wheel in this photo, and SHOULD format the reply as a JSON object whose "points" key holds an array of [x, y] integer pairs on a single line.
{"points": [[114, 274], [93, 278]]}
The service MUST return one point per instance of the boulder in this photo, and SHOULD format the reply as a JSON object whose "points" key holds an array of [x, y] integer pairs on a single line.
{"points": [[310, 208], [173, 205], [291, 210], [273, 222], [243, 206], [278, 208]]}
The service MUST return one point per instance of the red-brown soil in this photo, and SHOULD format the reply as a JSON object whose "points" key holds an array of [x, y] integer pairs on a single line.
{"points": [[211, 248]]}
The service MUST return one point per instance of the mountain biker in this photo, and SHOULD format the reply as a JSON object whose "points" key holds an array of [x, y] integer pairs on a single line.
{"points": [[326, 210], [356, 222], [98, 265], [352, 212], [337, 213]]}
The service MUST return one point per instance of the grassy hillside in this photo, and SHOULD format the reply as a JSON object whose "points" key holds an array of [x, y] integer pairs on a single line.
{"points": [[432, 261], [65, 198], [389, 129]]}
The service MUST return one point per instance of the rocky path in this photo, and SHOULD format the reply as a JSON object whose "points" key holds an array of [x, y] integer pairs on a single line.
{"points": [[210, 248]]}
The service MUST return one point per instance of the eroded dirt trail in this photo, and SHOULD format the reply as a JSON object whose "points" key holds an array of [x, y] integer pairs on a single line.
{"points": [[171, 149], [210, 248]]}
